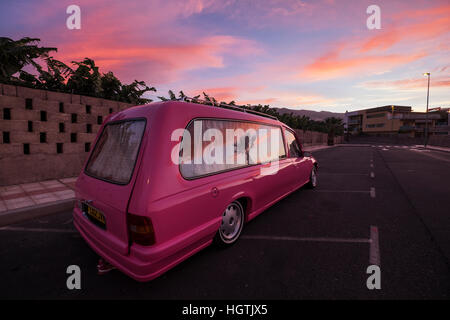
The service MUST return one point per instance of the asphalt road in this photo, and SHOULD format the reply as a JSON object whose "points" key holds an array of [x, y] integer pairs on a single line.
{"points": [[314, 244]]}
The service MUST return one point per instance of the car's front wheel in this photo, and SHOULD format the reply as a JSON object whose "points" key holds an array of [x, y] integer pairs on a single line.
{"points": [[231, 225]]}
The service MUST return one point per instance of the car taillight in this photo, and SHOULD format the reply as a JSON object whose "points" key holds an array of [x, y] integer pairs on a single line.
{"points": [[141, 230]]}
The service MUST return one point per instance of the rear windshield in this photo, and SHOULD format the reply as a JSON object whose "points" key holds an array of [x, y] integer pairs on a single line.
{"points": [[114, 156]]}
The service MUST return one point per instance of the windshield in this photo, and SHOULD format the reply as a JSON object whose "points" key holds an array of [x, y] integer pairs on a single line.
{"points": [[114, 156]]}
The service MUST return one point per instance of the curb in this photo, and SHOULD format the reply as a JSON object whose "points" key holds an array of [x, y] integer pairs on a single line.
{"points": [[434, 148], [28, 213]]}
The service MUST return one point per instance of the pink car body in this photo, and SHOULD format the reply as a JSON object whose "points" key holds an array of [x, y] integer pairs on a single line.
{"points": [[185, 214]]}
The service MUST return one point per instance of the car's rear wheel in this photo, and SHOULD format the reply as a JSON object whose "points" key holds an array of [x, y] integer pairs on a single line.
{"points": [[231, 225], [312, 178]]}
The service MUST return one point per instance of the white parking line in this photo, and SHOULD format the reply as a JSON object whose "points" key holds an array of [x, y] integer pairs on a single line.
{"points": [[374, 255], [307, 239], [38, 230], [374, 249], [345, 191], [372, 192]]}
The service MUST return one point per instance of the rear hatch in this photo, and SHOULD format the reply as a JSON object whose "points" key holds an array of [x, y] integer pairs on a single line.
{"points": [[104, 188]]}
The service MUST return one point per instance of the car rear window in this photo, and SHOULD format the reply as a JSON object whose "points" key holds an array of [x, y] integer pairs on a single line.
{"points": [[114, 155]]}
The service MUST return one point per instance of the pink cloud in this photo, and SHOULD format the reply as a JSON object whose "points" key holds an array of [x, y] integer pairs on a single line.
{"points": [[414, 83]]}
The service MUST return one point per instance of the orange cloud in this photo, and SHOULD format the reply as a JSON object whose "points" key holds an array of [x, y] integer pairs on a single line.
{"points": [[333, 65], [362, 56], [408, 83], [159, 62], [225, 94], [420, 31]]}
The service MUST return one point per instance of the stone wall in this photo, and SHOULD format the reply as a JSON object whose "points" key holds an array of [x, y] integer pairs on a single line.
{"points": [[312, 138], [45, 134]]}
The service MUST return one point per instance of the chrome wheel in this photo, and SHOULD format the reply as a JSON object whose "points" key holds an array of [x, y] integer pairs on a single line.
{"points": [[232, 223], [313, 178]]}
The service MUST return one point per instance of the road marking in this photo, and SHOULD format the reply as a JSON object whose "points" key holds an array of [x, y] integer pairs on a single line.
{"points": [[306, 239], [68, 221], [372, 175], [372, 192], [342, 174], [349, 191], [371, 165], [374, 255], [37, 230]]}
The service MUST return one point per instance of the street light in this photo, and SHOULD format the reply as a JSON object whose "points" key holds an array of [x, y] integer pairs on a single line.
{"points": [[392, 122], [426, 114]]}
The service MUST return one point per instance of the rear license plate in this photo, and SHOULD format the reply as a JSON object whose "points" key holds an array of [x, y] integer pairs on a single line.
{"points": [[94, 215]]}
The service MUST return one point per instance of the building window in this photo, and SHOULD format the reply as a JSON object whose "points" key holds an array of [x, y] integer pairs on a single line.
{"points": [[87, 147], [30, 126], [6, 138], [88, 109], [26, 148], [73, 137], [89, 128], [29, 104], [375, 125], [43, 137], [61, 127], [59, 148], [99, 120], [74, 118], [376, 115], [6, 113], [110, 110], [61, 107], [43, 115]]}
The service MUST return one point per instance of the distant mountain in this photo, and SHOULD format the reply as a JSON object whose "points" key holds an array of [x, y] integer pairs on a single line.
{"points": [[314, 115]]}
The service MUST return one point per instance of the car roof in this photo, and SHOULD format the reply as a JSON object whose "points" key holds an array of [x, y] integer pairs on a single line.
{"points": [[191, 110]]}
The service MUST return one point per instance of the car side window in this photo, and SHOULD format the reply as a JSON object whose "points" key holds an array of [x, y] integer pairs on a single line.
{"points": [[294, 148]]}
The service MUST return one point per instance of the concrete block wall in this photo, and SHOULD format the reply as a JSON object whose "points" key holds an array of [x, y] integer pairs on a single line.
{"points": [[36, 121], [311, 138]]}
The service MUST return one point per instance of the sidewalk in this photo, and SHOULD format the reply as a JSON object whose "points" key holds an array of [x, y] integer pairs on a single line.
{"points": [[443, 149], [318, 147], [25, 201]]}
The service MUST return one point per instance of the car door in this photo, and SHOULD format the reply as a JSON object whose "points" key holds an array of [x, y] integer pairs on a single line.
{"points": [[299, 163]]}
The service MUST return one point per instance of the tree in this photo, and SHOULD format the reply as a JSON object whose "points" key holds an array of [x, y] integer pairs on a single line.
{"points": [[333, 127], [111, 86], [133, 92], [86, 79], [15, 55], [54, 78]]}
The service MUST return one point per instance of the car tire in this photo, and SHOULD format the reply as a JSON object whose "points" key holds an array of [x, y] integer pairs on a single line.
{"points": [[312, 183], [232, 223]]}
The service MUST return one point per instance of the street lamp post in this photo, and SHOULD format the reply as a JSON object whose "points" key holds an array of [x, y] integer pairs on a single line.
{"points": [[426, 114]]}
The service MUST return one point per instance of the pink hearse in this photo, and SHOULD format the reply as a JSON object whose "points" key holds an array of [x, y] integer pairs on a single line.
{"points": [[165, 180]]}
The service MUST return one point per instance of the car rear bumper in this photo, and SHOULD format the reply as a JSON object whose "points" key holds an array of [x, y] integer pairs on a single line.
{"points": [[156, 261]]}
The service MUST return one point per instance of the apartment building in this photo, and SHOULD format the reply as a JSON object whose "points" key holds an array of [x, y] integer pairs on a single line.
{"points": [[390, 120]]}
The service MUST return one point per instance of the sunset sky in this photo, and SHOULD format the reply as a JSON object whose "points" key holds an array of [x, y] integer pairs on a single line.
{"points": [[316, 55]]}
